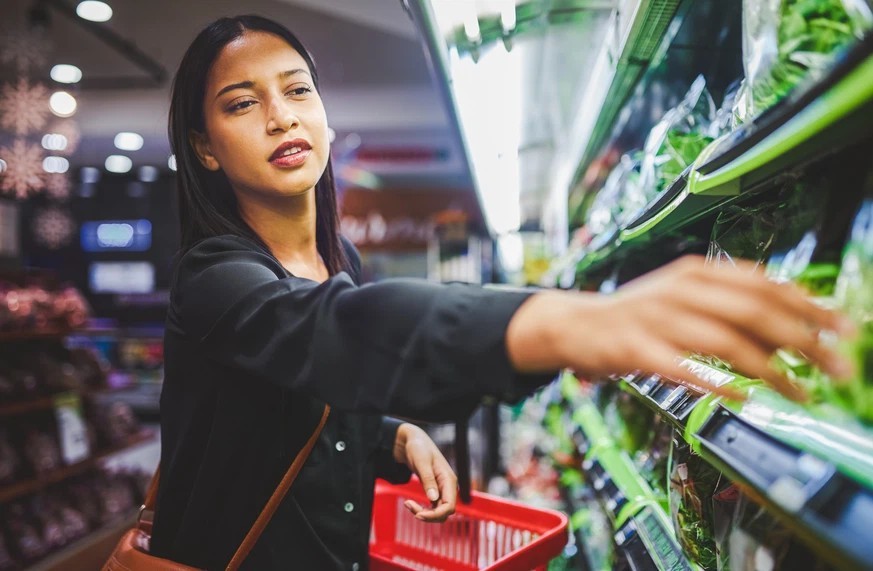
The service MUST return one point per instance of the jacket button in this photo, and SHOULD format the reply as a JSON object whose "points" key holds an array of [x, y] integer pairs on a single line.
{"points": [[340, 446], [349, 507]]}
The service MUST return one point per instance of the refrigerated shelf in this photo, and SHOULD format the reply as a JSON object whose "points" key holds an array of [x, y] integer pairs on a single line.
{"points": [[830, 115]]}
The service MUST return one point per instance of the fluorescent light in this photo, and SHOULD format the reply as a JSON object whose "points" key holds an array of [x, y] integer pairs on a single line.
{"points": [[118, 164], [54, 142], [62, 104], [65, 73], [94, 11], [128, 141], [57, 165], [471, 27], [171, 162], [507, 16]]}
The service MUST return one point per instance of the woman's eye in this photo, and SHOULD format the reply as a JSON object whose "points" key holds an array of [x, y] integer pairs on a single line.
{"points": [[299, 91], [241, 105]]}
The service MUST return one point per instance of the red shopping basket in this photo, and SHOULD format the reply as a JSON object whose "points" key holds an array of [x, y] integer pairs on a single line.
{"points": [[489, 533]]}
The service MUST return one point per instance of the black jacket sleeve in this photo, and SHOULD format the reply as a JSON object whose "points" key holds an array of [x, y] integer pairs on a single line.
{"points": [[404, 347]]}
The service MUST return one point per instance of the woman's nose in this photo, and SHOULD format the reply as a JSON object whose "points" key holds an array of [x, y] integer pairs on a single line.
{"points": [[282, 117]]}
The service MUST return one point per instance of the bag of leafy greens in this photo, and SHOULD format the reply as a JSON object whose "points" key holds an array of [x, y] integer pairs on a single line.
{"points": [[744, 232], [854, 295], [617, 200], [677, 140], [694, 484], [788, 41]]}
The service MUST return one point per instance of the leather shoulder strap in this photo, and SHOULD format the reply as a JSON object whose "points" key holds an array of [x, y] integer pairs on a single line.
{"points": [[277, 497], [272, 504]]}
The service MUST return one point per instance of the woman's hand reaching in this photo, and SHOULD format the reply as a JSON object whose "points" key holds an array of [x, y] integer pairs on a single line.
{"points": [[414, 448], [685, 307]]}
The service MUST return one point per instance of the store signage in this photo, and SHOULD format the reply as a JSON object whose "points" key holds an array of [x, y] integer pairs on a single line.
{"points": [[400, 219], [116, 235], [72, 431]]}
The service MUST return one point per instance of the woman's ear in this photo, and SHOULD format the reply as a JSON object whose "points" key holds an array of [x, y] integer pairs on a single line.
{"points": [[200, 144]]}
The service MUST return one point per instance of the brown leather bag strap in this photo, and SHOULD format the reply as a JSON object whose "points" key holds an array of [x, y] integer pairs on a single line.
{"points": [[277, 497], [272, 504]]}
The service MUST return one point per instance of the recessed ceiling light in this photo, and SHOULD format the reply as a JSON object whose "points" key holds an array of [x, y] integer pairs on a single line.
{"points": [[118, 163], [65, 73], [54, 142], [62, 104], [94, 11], [128, 141], [57, 165]]}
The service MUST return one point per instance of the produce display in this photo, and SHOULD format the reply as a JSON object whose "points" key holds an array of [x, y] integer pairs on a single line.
{"points": [[788, 41], [854, 294]]}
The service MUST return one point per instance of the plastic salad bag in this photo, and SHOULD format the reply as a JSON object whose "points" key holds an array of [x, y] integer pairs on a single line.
{"points": [[616, 200], [788, 41], [744, 232], [677, 140], [696, 488], [854, 295], [758, 542]]}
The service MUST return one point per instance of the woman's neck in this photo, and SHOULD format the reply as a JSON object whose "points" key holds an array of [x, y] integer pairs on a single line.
{"points": [[287, 226]]}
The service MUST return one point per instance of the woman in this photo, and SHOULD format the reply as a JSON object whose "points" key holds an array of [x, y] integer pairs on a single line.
{"points": [[267, 323]]}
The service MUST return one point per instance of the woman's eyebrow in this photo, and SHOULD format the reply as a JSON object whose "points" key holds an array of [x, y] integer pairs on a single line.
{"points": [[249, 84]]}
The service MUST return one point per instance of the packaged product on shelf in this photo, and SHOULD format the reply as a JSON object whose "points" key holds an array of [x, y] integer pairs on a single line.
{"points": [[677, 140], [758, 541], [10, 461], [854, 295], [619, 199], [695, 490], [788, 41], [25, 539], [743, 232]]}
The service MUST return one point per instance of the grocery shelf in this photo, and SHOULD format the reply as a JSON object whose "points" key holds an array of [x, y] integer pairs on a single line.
{"points": [[825, 507], [90, 552], [647, 541], [812, 464], [797, 130], [643, 33], [828, 116], [32, 485]]}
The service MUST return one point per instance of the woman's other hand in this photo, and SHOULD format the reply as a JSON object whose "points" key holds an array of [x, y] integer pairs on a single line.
{"points": [[414, 448], [685, 307]]}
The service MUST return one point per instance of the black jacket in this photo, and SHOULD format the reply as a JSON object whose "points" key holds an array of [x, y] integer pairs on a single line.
{"points": [[251, 355]]}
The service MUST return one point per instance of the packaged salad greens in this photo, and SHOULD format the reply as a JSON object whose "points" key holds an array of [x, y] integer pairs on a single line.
{"points": [[788, 41], [854, 295], [619, 199], [677, 140], [744, 232], [697, 491]]}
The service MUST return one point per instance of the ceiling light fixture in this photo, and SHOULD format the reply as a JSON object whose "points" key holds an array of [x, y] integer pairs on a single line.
{"points": [[118, 164], [62, 104], [66, 73], [128, 141], [94, 11]]}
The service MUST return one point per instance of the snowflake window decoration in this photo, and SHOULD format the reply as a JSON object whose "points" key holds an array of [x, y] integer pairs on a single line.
{"points": [[24, 50], [24, 174], [24, 106], [53, 228], [58, 186]]}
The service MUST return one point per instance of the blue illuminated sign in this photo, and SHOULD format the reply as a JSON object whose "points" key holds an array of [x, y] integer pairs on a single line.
{"points": [[115, 235]]}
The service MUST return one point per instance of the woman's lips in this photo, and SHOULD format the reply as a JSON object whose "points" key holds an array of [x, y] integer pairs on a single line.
{"points": [[293, 160]]}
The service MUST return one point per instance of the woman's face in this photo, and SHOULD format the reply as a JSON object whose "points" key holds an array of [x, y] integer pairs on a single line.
{"points": [[265, 124]]}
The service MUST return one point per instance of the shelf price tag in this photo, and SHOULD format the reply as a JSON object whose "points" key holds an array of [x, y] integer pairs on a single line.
{"points": [[72, 431]]}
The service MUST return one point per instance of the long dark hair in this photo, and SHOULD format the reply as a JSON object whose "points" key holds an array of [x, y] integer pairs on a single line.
{"points": [[207, 204]]}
